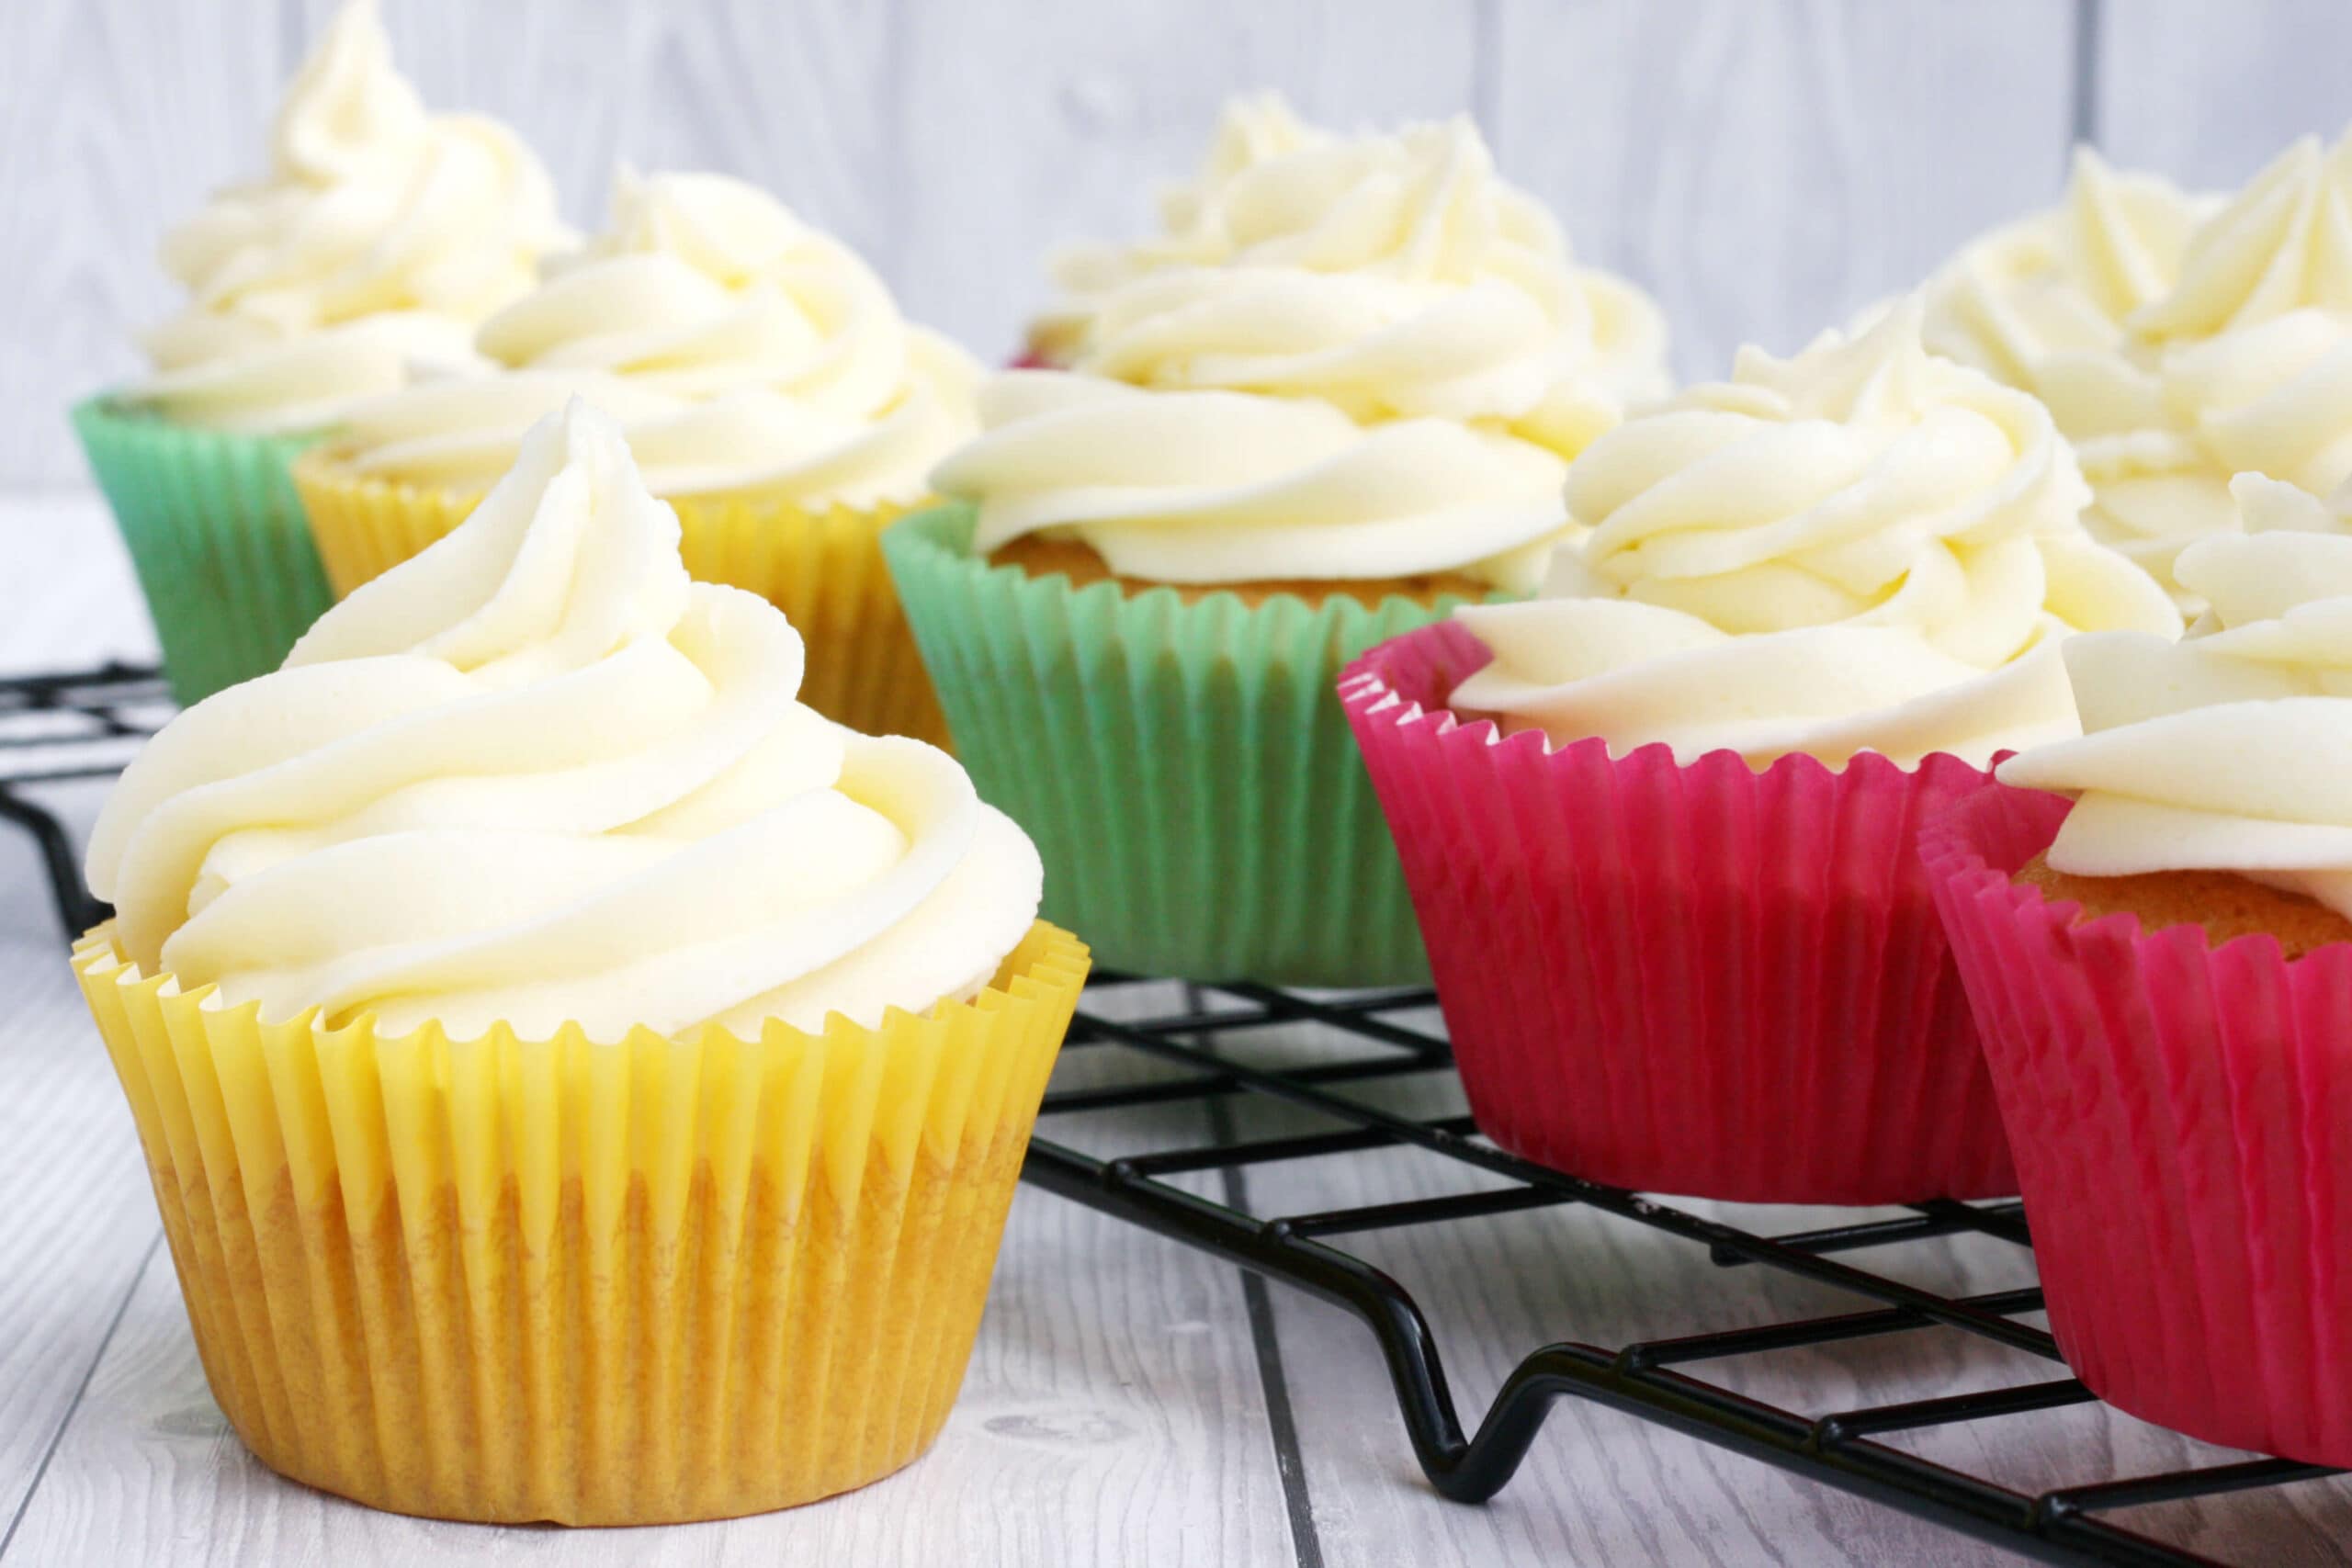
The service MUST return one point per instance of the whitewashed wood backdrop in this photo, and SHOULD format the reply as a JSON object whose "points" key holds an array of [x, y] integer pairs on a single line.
{"points": [[1764, 166]]}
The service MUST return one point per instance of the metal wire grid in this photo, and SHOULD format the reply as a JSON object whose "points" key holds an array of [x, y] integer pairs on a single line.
{"points": [[60, 727], [85, 724], [1647, 1378]]}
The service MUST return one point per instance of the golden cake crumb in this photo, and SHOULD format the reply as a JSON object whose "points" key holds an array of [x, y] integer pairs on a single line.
{"points": [[2225, 903], [1042, 556]]}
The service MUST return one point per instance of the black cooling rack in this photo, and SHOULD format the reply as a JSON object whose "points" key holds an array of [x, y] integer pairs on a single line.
{"points": [[84, 724], [58, 728]]}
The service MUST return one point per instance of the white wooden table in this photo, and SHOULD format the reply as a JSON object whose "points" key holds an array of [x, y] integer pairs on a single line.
{"points": [[1118, 1409]]}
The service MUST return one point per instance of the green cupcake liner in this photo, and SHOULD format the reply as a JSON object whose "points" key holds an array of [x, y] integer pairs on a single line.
{"points": [[216, 533], [1185, 769]]}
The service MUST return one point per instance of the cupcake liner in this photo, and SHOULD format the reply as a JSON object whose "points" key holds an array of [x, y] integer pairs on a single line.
{"points": [[511, 1280], [1696, 979], [216, 535], [2182, 1116], [1183, 767], [823, 567]]}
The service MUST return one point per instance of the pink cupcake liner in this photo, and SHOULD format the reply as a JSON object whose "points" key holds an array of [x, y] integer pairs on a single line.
{"points": [[1695, 979], [2182, 1117]]}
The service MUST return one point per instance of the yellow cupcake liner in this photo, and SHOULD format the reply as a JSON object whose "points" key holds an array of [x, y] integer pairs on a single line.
{"points": [[511, 1280], [823, 567]]}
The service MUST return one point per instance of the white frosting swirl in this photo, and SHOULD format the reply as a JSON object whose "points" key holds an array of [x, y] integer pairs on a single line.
{"points": [[741, 350], [382, 236], [2233, 352], [533, 776], [1229, 487], [2042, 304], [1345, 358], [2031, 301], [2255, 339], [1392, 275], [1864, 547], [2230, 750]]}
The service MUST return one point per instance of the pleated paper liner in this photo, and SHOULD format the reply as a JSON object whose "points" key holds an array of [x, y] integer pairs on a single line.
{"points": [[661, 1280], [1701, 979], [216, 535], [2182, 1116], [823, 569], [1183, 767]]}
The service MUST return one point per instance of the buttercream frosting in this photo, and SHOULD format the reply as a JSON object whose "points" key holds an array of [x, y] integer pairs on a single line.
{"points": [[1340, 358], [1861, 547], [533, 776], [741, 350], [2231, 348], [1232, 487], [1391, 274], [381, 235], [2229, 750]]}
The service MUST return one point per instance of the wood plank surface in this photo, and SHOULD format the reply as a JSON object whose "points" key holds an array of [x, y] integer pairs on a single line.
{"points": [[1603, 1487], [1112, 1413], [1767, 170], [2209, 94], [77, 1217]]}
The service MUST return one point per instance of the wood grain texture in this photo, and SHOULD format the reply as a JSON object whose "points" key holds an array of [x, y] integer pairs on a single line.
{"points": [[2208, 93], [115, 116], [1111, 1415], [70, 597], [77, 1216], [1106, 1418], [1017, 138], [1767, 170]]}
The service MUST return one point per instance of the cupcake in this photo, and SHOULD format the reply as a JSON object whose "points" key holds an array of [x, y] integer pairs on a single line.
{"points": [[380, 236], [1337, 396], [769, 387], [2177, 341], [580, 1082], [1658, 824], [2163, 972]]}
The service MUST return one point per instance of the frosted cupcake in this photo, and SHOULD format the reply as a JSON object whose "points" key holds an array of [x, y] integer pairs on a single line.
{"points": [[2231, 350], [580, 1082], [381, 236], [1336, 397], [1658, 824], [2163, 975], [768, 385]]}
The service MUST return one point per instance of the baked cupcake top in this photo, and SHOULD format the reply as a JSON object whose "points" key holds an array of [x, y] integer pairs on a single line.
{"points": [[740, 349], [2227, 750], [1862, 547], [380, 236], [1344, 359], [533, 776], [2240, 362]]}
